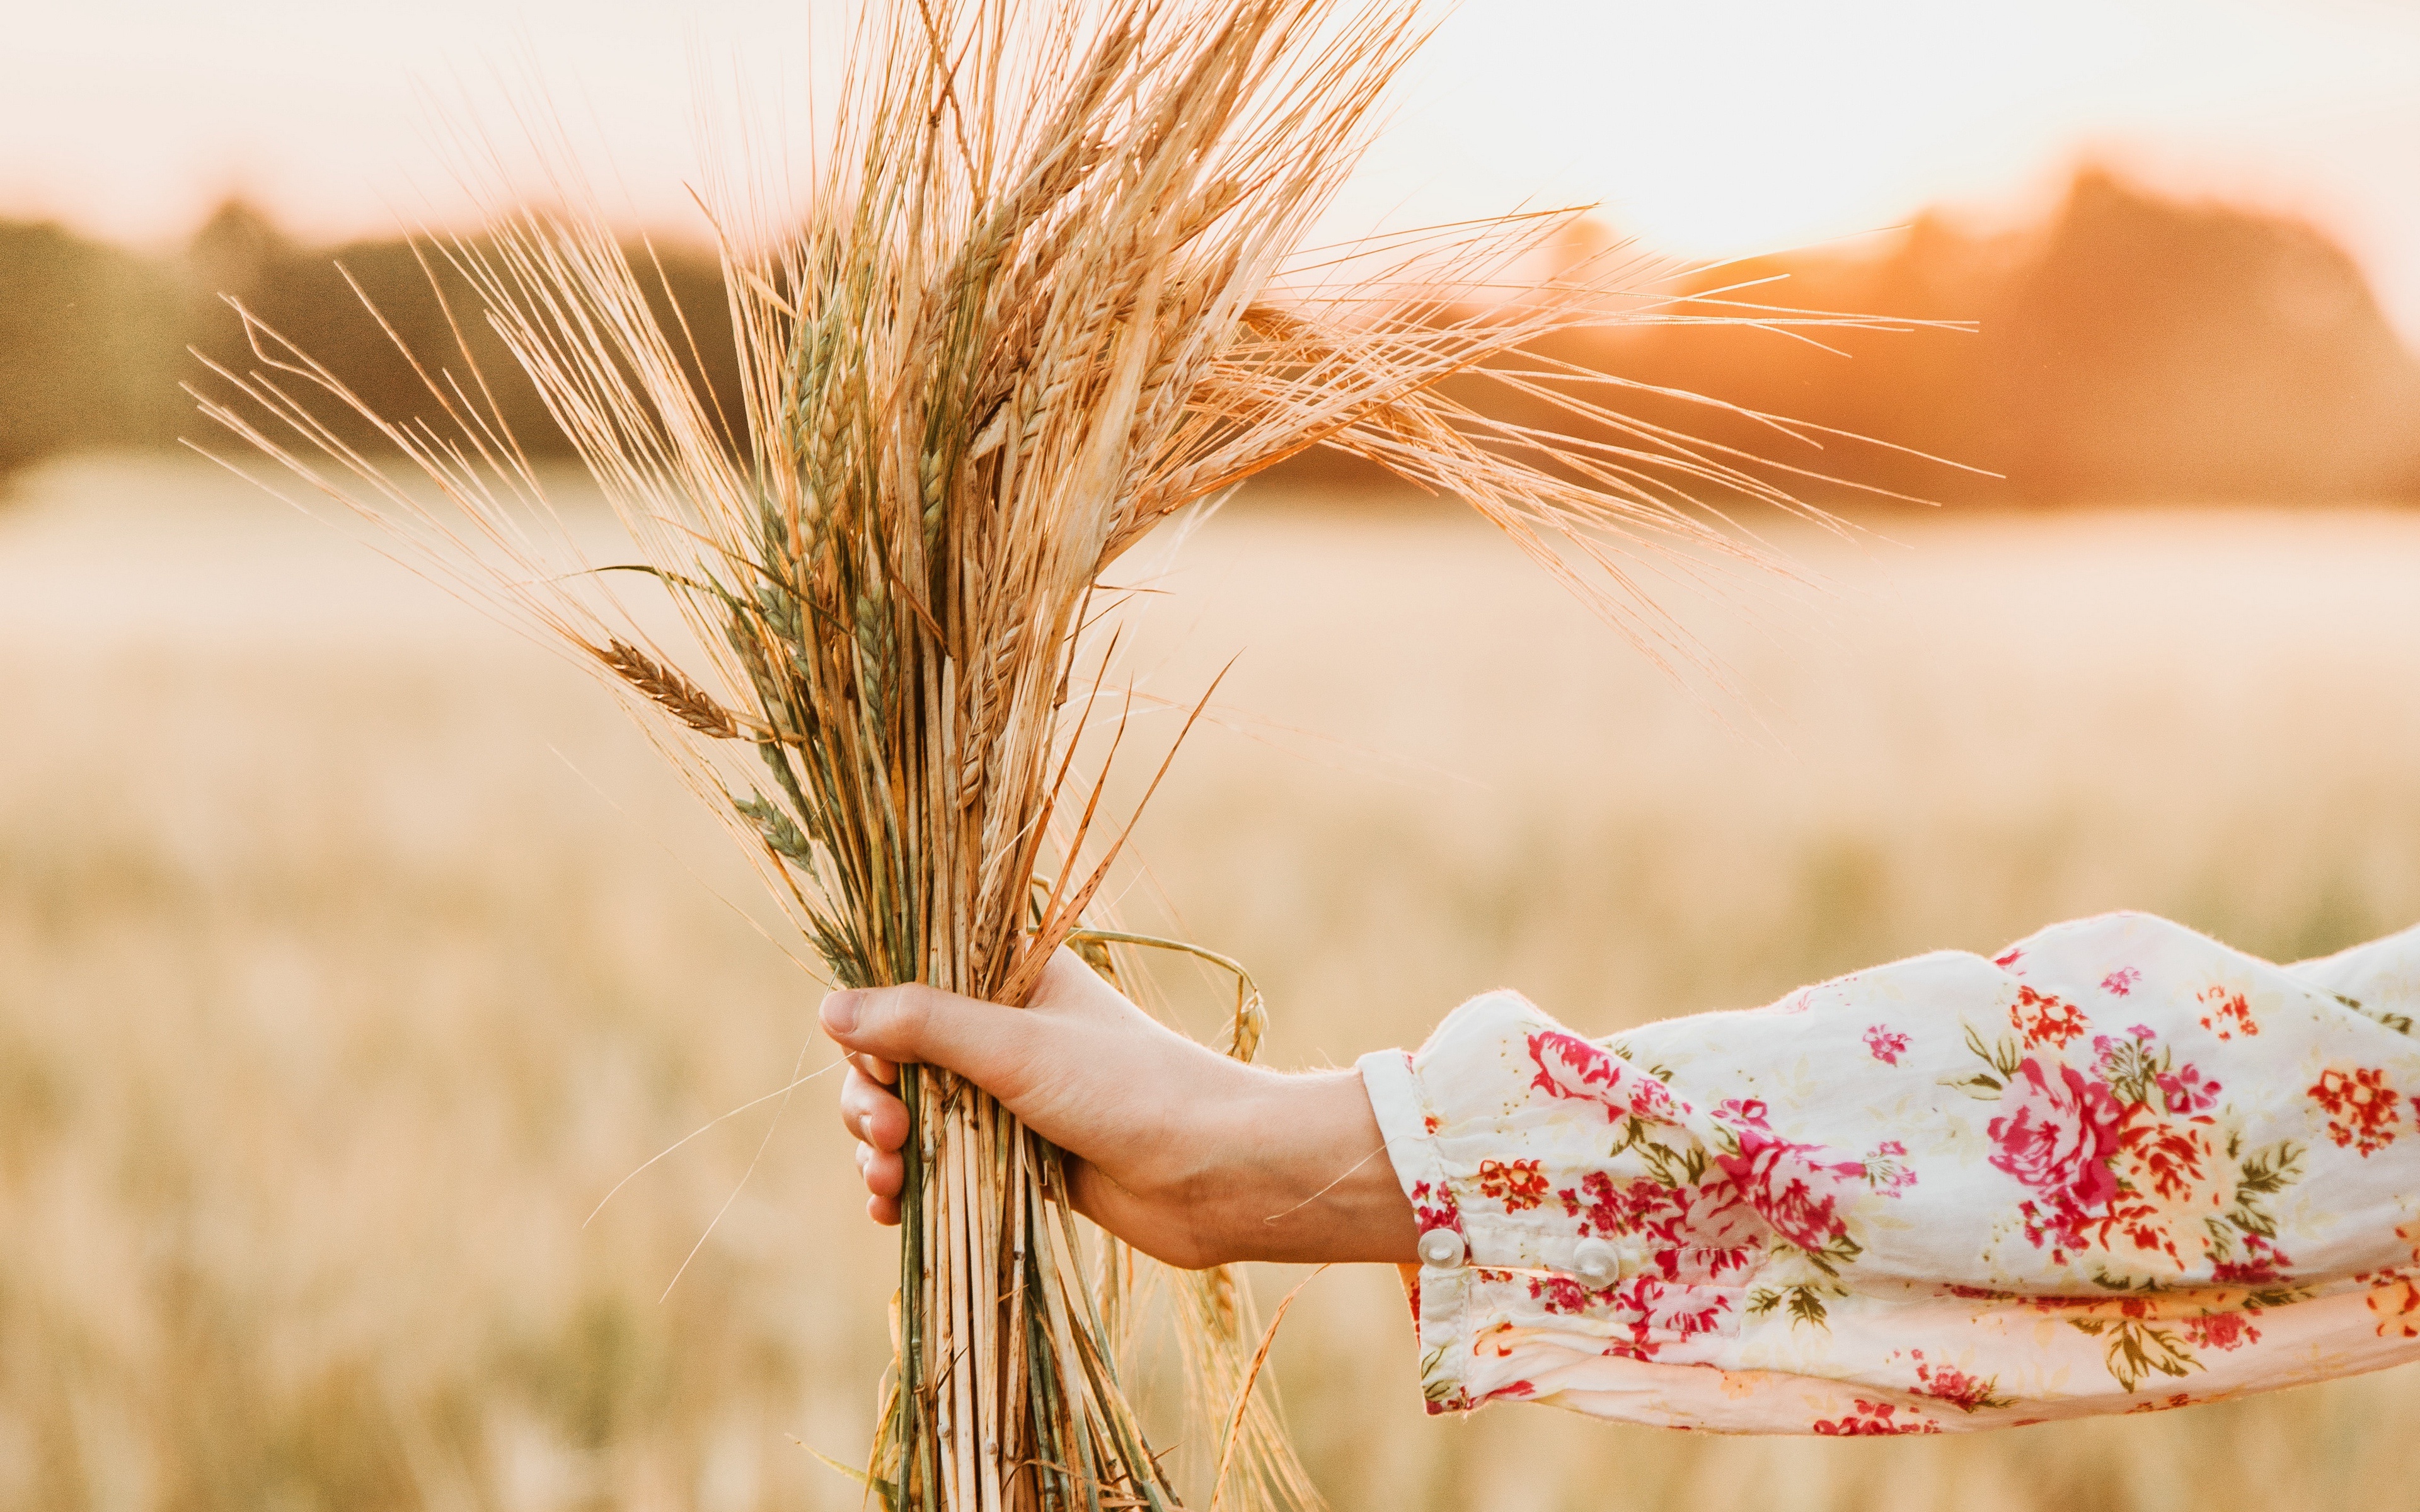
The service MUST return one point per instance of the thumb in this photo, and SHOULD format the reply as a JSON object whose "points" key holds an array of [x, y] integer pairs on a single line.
{"points": [[992, 1046]]}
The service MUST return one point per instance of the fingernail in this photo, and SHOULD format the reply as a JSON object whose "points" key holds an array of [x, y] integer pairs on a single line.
{"points": [[840, 1012]]}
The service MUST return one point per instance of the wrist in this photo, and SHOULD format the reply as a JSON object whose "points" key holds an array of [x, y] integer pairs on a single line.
{"points": [[1310, 1181]]}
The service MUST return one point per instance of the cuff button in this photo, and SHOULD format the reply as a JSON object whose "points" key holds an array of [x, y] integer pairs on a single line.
{"points": [[1441, 1249], [1596, 1262]]}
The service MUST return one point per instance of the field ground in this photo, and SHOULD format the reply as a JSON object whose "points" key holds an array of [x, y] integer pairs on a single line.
{"points": [[352, 950]]}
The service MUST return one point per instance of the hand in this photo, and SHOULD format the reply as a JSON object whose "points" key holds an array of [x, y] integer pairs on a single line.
{"points": [[1190, 1156]]}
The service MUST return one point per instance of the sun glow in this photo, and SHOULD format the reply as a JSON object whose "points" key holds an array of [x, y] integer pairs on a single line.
{"points": [[1703, 130]]}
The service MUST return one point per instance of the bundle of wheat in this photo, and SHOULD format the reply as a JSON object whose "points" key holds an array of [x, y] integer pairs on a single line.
{"points": [[1038, 302]]}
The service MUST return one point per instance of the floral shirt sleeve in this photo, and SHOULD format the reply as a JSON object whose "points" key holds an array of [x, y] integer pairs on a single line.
{"points": [[2118, 1169]]}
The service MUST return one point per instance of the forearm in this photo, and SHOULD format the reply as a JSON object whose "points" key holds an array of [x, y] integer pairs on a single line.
{"points": [[1314, 1184]]}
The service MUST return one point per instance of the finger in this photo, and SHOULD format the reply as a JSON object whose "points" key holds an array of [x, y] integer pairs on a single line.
{"points": [[992, 1046], [885, 1173], [869, 1111], [884, 1211], [875, 1066]]}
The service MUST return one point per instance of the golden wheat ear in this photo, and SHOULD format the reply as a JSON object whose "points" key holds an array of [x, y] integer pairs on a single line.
{"points": [[1047, 290]]}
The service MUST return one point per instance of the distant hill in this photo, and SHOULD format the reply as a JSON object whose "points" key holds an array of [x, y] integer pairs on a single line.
{"points": [[2129, 347]]}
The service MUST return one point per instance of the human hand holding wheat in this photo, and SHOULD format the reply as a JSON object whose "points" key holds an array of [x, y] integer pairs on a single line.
{"points": [[1190, 1156]]}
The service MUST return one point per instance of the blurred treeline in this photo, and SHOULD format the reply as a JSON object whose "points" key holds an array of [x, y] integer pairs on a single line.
{"points": [[2126, 347], [95, 341]]}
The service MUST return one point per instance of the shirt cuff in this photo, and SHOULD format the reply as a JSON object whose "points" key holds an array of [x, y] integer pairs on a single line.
{"points": [[1440, 1293]]}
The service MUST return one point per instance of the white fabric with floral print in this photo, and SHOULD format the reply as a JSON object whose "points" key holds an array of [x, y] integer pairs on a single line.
{"points": [[2118, 1169]]}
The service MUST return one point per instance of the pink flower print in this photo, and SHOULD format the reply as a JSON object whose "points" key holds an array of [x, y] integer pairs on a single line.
{"points": [[1706, 1230], [2187, 1090], [1799, 1197], [1968, 1394], [1568, 1065], [2222, 1331], [1660, 1307], [1875, 1418], [1655, 1313], [1701, 1231], [1748, 1113], [2142, 1031], [1886, 1044], [2057, 1132], [2122, 981], [1563, 1295], [1883, 1172], [1433, 1207]]}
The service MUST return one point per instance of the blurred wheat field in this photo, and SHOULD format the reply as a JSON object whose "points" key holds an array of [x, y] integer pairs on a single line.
{"points": [[352, 950]]}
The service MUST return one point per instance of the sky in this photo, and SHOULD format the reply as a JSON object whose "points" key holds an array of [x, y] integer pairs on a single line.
{"points": [[1707, 127]]}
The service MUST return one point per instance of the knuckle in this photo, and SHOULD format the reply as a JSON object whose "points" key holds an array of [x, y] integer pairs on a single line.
{"points": [[918, 1006], [890, 1016]]}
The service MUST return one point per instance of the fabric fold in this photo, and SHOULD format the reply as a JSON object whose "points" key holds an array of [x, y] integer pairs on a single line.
{"points": [[2118, 1168]]}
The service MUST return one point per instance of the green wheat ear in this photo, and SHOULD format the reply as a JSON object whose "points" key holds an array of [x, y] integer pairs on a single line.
{"points": [[1045, 294]]}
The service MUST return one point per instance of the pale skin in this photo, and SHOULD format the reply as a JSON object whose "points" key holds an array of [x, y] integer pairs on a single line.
{"points": [[1191, 1157]]}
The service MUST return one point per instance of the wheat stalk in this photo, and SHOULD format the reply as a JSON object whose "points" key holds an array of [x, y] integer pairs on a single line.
{"points": [[1037, 302]]}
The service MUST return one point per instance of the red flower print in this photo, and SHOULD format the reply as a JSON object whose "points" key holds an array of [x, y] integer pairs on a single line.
{"points": [[2045, 1020], [2121, 981], [1568, 1065], [2057, 1132], [2363, 1111], [2174, 1186], [1519, 1184], [2229, 1014], [2167, 1157], [1886, 1046], [1875, 1419], [2263, 1264], [2009, 961], [2397, 1306]]}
